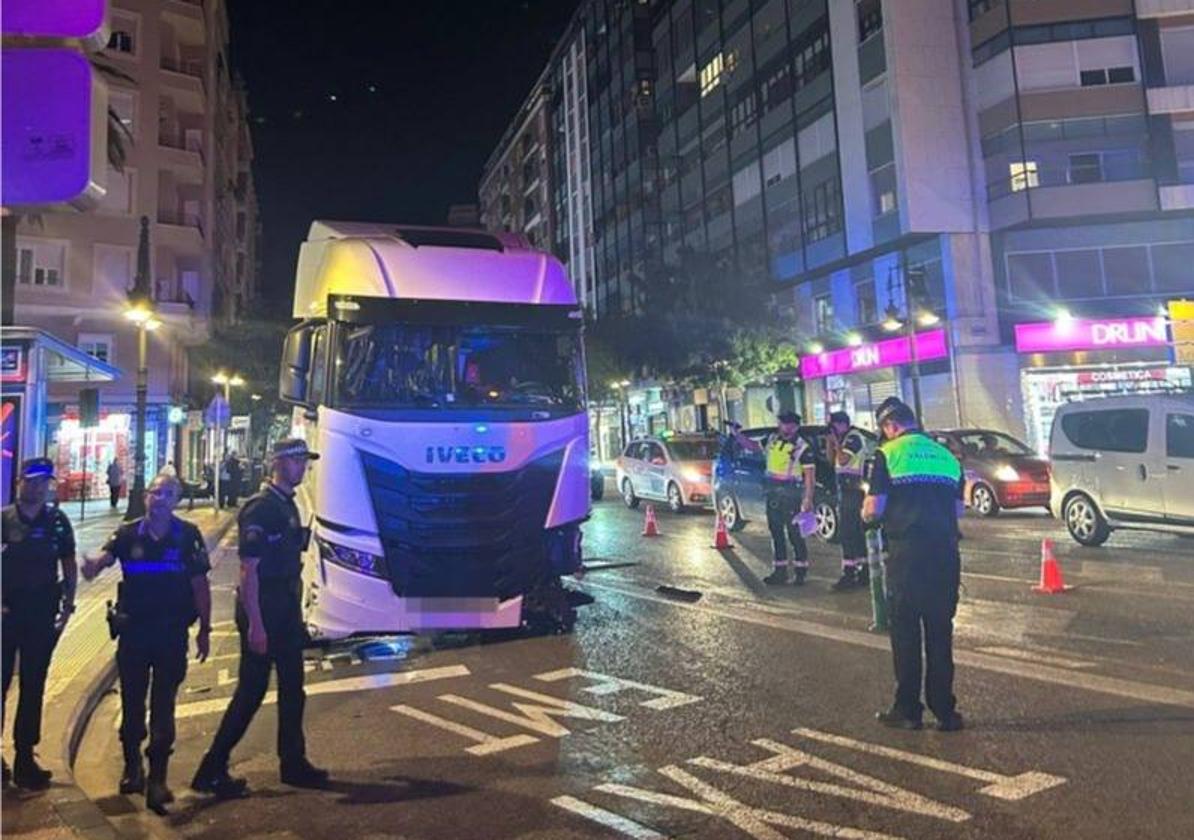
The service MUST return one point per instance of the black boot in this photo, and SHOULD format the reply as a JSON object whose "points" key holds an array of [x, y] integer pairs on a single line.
{"points": [[157, 795], [847, 581], [801, 574], [132, 780], [304, 774], [212, 777], [27, 774], [778, 577]]}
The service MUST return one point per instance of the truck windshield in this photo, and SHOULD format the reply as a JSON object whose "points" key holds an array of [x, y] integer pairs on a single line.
{"points": [[446, 366]]}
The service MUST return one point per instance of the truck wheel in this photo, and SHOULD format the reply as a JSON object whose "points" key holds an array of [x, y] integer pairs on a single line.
{"points": [[628, 496], [1084, 521]]}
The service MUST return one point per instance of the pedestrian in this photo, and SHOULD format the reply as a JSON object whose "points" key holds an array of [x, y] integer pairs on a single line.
{"points": [[916, 493], [115, 480], [848, 453], [790, 481], [225, 480], [163, 590], [270, 621], [235, 475], [38, 542]]}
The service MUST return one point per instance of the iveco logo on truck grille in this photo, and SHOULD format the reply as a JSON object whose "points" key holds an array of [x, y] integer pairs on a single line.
{"points": [[466, 454]]}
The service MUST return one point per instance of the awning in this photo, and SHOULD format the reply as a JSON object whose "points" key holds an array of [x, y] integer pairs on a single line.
{"points": [[63, 362]]}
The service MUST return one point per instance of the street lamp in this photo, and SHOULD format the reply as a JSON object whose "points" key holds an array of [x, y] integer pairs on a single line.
{"points": [[228, 381], [140, 311], [620, 385], [919, 312]]}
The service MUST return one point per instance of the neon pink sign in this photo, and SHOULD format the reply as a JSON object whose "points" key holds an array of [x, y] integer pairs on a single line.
{"points": [[879, 354], [1083, 334]]}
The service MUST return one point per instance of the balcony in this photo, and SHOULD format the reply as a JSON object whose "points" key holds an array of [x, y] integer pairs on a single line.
{"points": [[181, 227], [182, 148], [1163, 8], [1177, 197], [185, 74], [1177, 99]]}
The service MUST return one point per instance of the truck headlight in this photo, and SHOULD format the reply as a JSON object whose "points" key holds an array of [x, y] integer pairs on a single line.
{"points": [[1007, 473], [353, 559]]}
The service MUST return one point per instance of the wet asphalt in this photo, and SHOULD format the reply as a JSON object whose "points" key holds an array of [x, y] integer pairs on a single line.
{"points": [[747, 712]]}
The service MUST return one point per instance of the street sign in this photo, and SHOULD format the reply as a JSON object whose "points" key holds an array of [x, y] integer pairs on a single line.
{"points": [[53, 122], [1181, 322], [176, 415], [217, 412], [89, 407]]}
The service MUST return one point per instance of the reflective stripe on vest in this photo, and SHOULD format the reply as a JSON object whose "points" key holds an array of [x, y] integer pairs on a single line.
{"points": [[914, 458], [857, 459], [783, 458]]}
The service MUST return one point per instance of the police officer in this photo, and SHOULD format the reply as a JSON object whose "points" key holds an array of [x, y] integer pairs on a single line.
{"points": [[916, 492], [270, 620], [164, 587], [38, 539], [790, 479], [848, 453]]}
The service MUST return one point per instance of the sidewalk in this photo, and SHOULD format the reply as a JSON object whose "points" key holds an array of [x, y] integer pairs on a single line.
{"points": [[83, 670]]}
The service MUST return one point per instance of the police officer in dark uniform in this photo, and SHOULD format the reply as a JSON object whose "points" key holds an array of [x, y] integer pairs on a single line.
{"points": [[270, 620], [164, 587], [37, 604], [916, 493], [847, 450]]}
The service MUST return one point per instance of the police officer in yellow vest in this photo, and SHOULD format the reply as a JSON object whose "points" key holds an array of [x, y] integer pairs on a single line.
{"points": [[916, 493], [847, 447], [790, 481]]}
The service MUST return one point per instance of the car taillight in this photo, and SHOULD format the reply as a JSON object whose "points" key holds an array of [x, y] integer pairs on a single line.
{"points": [[353, 559]]}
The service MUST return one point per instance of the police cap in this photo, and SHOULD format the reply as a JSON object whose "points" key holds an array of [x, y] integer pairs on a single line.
{"points": [[893, 408], [789, 417], [839, 417], [34, 468], [294, 448]]}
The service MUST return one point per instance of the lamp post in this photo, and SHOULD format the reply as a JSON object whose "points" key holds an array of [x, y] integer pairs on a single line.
{"points": [[142, 313], [623, 421], [918, 313], [228, 381]]}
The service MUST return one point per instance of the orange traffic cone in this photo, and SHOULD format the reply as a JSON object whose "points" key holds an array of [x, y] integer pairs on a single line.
{"points": [[721, 537], [1051, 579], [650, 526]]}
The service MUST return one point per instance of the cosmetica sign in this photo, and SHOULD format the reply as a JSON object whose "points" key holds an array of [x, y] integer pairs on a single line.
{"points": [[466, 454]]}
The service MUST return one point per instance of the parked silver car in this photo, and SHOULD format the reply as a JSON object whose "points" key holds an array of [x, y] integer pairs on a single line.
{"points": [[1123, 462]]}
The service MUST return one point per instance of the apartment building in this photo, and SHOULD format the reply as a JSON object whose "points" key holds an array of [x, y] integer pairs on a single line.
{"points": [[188, 173], [977, 172], [514, 193]]}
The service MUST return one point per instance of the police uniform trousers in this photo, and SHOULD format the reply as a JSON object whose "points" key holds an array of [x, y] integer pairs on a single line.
{"points": [[920, 611], [29, 638], [783, 501], [285, 634], [849, 523], [150, 653]]}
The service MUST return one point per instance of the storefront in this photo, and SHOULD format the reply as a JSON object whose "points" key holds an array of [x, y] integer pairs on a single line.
{"points": [[856, 379], [31, 360], [81, 456], [1076, 359]]}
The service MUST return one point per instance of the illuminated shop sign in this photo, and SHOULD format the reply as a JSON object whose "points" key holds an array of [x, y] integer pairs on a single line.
{"points": [[879, 354], [1090, 334]]}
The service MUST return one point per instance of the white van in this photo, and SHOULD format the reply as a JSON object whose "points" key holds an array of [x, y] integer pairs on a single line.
{"points": [[1124, 462]]}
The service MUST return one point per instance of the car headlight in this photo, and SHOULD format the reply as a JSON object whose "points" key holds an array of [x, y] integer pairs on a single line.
{"points": [[1007, 473], [353, 559], [693, 475]]}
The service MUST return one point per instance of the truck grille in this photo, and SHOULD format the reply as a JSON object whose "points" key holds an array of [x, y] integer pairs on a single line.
{"points": [[451, 535]]}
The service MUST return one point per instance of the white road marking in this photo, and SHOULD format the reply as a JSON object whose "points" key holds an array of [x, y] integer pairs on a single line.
{"points": [[350, 684], [1036, 656], [757, 822], [606, 685], [484, 743], [998, 786], [874, 791], [745, 613], [627, 826], [537, 718]]}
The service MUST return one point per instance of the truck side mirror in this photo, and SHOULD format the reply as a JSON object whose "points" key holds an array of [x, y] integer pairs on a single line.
{"points": [[296, 363]]}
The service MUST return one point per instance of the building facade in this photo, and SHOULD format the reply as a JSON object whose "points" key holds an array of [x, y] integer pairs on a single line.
{"points": [[187, 171], [953, 169]]}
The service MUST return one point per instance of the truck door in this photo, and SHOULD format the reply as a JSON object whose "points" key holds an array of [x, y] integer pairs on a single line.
{"points": [[1178, 463]]}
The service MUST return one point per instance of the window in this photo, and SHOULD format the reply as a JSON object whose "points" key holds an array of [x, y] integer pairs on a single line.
{"points": [[811, 54], [1120, 75], [1118, 430], [41, 263], [1171, 265], [870, 18], [97, 346], [121, 41], [1179, 435], [978, 8], [868, 307], [1030, 276], [779, 163], [821, 215], [883, 191], [743, 115], [1023, 175], [710, 76], [119, 195], [777, 88], [1085, 168], [1079, 274], [124, 103], [823, 314], [1126, 270]]}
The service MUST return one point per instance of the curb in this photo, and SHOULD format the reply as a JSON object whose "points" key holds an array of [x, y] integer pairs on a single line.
{"points": [[79, 813]]}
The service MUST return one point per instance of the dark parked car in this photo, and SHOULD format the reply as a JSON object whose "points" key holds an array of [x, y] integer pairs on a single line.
{"points": [[738, 482], [1001, 472]]}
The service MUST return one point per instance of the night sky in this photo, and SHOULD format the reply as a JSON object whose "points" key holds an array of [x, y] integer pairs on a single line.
{"points": [[378, 110]]}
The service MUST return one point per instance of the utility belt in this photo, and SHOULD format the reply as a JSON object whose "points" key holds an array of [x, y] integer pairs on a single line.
{"points": [[121, 617]]}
